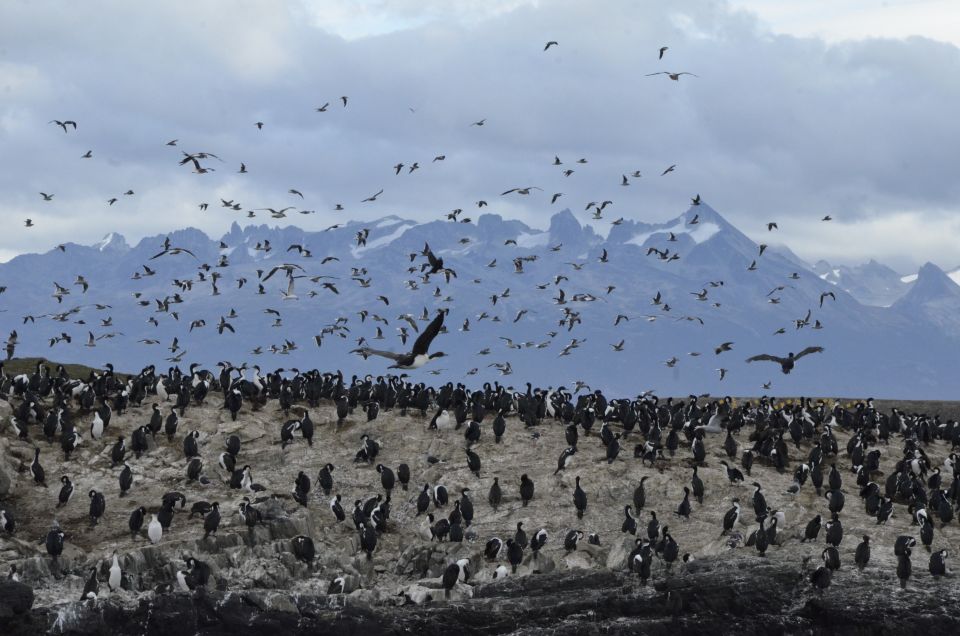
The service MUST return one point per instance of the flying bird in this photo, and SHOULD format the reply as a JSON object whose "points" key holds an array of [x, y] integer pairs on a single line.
{"points": [[521, 190], [663, 49], [63, 124], [373, 197], [416, 357], [674, 76], [550, 43], [786, 364]]}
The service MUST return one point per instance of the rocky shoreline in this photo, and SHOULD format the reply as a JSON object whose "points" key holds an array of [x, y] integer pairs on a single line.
{"points": [[743, 595]]}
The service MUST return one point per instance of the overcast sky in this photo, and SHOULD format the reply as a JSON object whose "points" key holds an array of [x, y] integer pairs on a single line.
{"points": [[799, 109]]}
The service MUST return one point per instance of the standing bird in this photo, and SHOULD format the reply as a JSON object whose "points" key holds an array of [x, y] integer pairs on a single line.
{"points": [[39, 476], [154, 530], [579, 499], [862, 555], [92, 587], [526, 489], [904, 568], [97, 506], [495, 495], [938, 564], [66, 491]]}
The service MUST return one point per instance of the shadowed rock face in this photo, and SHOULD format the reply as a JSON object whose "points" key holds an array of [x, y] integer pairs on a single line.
{"points": [[258, 586], [743, 596]]}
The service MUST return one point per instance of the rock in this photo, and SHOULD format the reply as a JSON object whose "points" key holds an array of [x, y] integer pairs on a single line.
{"points": [[15, 598], [617, 557]]}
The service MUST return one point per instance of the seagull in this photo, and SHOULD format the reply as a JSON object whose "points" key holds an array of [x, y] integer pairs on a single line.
{"points": [[551, 43], [173, 251], [824, 295], [418, 356], [663, 49], [479, 123], [786, 364], [521, 190], [374, 197], [771, 227], [47, 197], [296, 192], [670, 169], [674, 76]]}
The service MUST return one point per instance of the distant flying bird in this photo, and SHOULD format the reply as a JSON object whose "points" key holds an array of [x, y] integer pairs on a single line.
{"points": [[824, 295], [259, 125], [550, 43], [63, 124], [674, 76], [670, 169], [521, 190], [47, 197], [322, 109], [695, 200], [771, 227], [373, 197], [827, 218], [726, 346], [344, 99], [663, 49], [786, 364], [296, 192], [87, 155], [479, 123]]}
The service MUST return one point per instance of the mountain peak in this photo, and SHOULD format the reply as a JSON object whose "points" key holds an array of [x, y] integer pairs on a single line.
{"points": [[932, 284], [112, 242]]}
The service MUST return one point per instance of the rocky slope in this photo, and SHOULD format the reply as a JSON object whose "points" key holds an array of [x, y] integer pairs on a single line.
{"points": [[258, 584]]}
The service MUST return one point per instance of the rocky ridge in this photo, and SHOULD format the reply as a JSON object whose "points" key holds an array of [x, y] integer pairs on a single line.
{"points": [[258, 584]]}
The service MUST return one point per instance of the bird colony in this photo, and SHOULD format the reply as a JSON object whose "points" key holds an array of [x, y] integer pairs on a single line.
{"points": [[389, 486]]}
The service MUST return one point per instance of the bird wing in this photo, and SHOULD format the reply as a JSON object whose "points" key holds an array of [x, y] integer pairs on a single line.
{"points": [[808, 350], [766, 356], [367, 351], [423, 341]]}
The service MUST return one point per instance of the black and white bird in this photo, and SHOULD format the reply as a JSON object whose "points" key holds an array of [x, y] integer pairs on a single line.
{"points": [[416, 357]]}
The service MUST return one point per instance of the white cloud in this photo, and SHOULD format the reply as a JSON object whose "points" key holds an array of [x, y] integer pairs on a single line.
{"points": [[775, 127]]}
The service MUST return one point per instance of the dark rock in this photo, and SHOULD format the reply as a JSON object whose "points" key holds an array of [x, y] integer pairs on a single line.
{"points": [[15, 598]]}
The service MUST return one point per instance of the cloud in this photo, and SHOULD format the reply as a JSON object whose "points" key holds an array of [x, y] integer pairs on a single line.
{"points": [[775, 127]]}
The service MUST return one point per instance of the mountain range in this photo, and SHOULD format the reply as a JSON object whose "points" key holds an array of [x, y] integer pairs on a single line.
{"points": [[884, 335]]}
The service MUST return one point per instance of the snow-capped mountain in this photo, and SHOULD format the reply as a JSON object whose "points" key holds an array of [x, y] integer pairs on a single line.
{"points": [[871, 283], [138, 302]]}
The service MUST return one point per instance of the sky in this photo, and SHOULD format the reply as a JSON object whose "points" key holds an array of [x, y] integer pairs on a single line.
{"points": [[797, 110]]}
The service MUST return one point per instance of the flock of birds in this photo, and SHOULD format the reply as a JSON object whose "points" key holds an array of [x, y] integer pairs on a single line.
{"points": [[77, 411], [211, 276]]}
